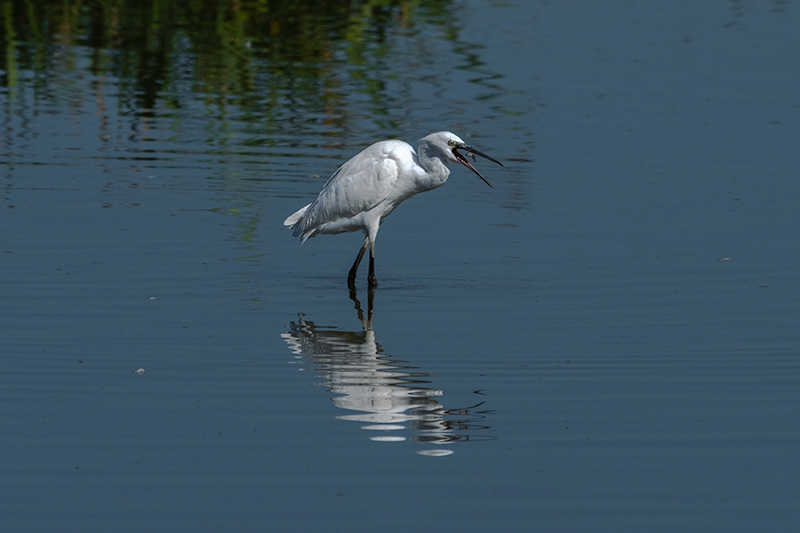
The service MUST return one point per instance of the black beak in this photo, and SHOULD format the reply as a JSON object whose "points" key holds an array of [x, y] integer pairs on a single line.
{"points": [[463, 160]]}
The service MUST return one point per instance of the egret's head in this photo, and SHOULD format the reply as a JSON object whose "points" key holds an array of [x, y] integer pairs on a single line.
{"points": [[451, 145]]}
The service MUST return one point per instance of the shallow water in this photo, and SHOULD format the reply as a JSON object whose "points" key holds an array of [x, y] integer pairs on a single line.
{"points": [[606, 340]]}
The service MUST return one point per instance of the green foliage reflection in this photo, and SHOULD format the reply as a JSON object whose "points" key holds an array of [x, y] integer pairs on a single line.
{"points": [[255, 54]]}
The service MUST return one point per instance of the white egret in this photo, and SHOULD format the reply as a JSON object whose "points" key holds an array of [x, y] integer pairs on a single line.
{"points": [[363, 191]]}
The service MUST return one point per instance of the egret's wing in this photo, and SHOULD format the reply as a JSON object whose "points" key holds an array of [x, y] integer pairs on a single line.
{"points": [[359, 185]]}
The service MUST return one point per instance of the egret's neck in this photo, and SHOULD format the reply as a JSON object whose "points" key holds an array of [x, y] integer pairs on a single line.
{"points": [[436, 170]]}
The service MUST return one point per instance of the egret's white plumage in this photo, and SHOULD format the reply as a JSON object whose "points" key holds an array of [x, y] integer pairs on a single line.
{"points": [[368, 187]]}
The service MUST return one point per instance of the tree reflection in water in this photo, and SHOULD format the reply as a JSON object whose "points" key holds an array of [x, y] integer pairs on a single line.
{"points": [[388, 395]]}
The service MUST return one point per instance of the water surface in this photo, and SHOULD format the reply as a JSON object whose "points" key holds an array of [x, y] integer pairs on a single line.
{"points": [[606, 340]]}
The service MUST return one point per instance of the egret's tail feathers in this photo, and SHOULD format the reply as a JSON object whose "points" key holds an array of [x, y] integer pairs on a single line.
{"points": [[298, 224], [295, 217]]}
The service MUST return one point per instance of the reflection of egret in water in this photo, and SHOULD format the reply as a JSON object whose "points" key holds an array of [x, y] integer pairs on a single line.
{"points": [[386, 394]]}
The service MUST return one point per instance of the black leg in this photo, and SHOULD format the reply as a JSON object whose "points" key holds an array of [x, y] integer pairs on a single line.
{"points": [[371, 279], [351, 277]]}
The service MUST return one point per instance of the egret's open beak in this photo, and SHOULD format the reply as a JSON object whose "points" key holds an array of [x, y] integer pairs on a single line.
{"points": [[470, 151]]}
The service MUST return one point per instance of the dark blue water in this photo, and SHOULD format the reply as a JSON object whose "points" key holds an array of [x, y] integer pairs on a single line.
{"points": [[607, 340]]}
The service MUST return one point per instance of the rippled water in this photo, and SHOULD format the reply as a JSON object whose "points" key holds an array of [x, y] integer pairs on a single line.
{"points": [[390, 396], [606, 340]]}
